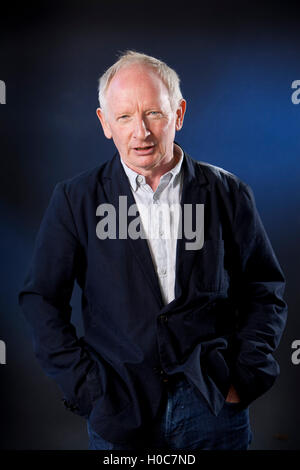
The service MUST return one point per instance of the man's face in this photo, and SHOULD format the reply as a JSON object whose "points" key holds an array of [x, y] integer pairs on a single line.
{"points": [[139, 118]]}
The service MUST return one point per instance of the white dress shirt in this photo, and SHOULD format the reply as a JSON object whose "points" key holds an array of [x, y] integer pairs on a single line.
{"points": [[160, 220]]}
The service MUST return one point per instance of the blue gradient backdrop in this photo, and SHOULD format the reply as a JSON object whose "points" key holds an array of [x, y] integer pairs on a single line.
{"points": [[236, 61]]}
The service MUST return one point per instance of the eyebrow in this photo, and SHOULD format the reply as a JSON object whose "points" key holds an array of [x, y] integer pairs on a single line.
{"points": [[149, 108]]}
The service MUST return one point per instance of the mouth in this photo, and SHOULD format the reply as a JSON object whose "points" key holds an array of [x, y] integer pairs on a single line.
{"points": [[144, 150]]}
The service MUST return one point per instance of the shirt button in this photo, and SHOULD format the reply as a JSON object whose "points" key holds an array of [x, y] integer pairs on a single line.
{"points": [[140, 179], [163, 272]]}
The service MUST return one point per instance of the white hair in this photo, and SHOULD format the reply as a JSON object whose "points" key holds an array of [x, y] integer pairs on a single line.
{"points": [[168, 75]]}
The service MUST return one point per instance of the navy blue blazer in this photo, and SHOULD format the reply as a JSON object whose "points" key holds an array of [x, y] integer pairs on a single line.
{"points": [[225, 322]]}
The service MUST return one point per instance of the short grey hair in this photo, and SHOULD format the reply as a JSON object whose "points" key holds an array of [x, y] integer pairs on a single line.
{"points": [[166, 73]]}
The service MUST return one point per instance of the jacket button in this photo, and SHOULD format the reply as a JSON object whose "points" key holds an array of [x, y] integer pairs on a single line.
{"points": [[66, 403], [69, 406], [164, 376], [163, 318]]}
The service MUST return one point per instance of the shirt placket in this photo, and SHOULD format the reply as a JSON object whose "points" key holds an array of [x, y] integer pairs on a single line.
{"points": [[162, 243]]}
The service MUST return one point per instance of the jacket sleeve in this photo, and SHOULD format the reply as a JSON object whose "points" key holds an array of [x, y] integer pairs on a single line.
{"points": [[45, 298], [261, 310]]}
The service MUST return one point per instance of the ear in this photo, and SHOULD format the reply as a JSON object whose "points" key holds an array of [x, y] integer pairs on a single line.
{"points": [[180, 112], [104, 123]]}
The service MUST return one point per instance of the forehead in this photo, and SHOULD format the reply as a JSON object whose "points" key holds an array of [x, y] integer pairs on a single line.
{"points": [[136, 82]]}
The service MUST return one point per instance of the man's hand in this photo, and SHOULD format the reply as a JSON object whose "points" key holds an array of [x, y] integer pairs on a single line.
{"points": [[232, 395]]}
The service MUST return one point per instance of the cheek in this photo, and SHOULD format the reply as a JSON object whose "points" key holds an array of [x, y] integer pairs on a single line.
{"points": [[120, 136], [163, 129], [168, 130]]}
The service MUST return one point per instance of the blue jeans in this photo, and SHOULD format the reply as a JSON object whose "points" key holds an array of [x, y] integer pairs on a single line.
{"points": [[186, 423]]}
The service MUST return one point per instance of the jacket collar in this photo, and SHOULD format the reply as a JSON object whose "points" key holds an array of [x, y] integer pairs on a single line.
{"points": [[133, 175], [114, 170]]}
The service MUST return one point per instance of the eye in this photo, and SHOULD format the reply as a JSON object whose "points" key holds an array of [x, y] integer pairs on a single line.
{"points": [[124, 116], [154, 113]]}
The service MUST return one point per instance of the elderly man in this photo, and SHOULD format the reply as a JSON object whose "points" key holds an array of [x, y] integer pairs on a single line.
{"points": [[179, 335]]}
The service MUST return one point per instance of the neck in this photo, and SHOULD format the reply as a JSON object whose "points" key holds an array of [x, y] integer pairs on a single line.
{"points": [[154, 174]]}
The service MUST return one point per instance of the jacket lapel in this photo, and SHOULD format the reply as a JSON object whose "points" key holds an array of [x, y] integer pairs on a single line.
{"points": [[117, 184], [194, 191]]}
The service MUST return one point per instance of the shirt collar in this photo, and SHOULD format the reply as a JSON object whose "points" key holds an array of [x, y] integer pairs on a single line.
{"points": [[133, 175]]}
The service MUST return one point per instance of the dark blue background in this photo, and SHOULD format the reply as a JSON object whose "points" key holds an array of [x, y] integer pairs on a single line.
{"points": [[237, 61]]}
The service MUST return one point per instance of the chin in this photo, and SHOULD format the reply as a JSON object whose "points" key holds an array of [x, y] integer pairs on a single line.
{"points": [[145, 162]]}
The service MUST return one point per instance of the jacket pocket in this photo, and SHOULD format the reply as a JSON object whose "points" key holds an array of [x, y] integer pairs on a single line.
{"points": [[94, 383], [209, 272]]}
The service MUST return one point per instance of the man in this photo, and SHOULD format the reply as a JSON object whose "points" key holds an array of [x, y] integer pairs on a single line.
{"points": [[179, 335]]}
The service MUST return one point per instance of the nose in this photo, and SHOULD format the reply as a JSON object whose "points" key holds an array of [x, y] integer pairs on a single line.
{"points": [[140, 130]]}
